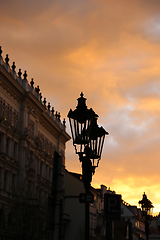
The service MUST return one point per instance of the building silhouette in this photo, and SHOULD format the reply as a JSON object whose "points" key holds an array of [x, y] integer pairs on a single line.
{"points": [[30, 133]]}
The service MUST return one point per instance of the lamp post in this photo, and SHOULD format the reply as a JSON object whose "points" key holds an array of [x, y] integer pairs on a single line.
{"points": [[88, 139], [146, 206]]}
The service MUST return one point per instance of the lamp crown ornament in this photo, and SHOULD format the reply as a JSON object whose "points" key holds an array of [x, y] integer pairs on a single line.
{"points": [[82, 113]]}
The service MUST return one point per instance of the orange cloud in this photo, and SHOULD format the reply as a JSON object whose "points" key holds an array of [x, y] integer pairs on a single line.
{"points": [[109, 49]]}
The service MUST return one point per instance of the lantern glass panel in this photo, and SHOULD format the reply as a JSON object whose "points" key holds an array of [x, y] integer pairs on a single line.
{"points": [[80, 133], [101, 142], [79, 148], [71, 122], [96, 146]]}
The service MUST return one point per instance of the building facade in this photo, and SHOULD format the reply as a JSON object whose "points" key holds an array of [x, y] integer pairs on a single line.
{"points": [[30, 132]]}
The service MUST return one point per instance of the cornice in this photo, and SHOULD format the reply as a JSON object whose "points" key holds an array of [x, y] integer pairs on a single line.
{"points": [[21, 91], [52, 125], [11, 85]]}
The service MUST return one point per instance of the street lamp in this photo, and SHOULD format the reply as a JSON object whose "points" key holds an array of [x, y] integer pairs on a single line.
{"points": [[88, 139], [146, 206]]}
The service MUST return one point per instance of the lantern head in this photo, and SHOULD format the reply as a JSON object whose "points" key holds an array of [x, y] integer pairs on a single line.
{"points": [[146, 204], [80, 120]]}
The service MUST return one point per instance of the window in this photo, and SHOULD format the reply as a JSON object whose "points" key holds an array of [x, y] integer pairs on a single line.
{"points": [[38, 167], [16, 121], [44, 170], [15, 151], [31, 129], [29, 186], [6, 113], [13, 183], [46, 197], [91, 220], [94, 222], [1, 175], [99, 207], [8, 146], [1, 107], [49, 149], [41, 169], [47, 172], [2, 219], [6, 181], [1, 141], [3, 110], [40, 195], [12, 120], [50, 174], [31, 158], [10, 115]]}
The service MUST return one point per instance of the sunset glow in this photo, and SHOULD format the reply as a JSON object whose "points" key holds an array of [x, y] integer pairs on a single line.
{"points": [[110, 50]]}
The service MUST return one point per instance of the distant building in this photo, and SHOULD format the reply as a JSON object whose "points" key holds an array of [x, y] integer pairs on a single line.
{"points": [[30, 132], [74, 228], [131, 226], [154, 228], [134, 216]]}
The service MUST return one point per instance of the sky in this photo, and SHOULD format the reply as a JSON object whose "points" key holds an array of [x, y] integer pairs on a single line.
{"points": [[110, 51]]}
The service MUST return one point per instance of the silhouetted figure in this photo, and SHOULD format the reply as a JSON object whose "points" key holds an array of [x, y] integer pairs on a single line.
{"points": [[37, 89], [64, 122], [44, 102], [40, 95], [49, 106], [52, 111]]}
